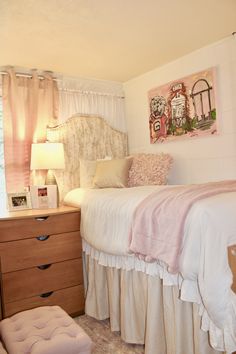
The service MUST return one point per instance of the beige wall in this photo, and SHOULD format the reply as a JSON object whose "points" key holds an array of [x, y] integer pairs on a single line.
{"points": [[201, 159]]}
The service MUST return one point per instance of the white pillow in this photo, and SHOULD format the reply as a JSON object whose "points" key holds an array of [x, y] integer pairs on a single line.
{"points": [[87, 171]]}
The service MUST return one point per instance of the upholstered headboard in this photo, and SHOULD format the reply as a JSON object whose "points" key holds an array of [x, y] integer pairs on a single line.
{"points": [[84, 137]]}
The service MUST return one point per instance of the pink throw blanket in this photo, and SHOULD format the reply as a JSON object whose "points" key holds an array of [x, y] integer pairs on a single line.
{"points": [[158, 223]]}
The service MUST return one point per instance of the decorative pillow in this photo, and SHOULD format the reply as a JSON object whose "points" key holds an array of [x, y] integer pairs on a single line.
{"points": [[87, 171], [112, 173], [149, 169]]}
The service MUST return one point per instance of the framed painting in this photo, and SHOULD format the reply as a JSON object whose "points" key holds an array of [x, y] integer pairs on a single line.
{"points": [[184, 108]]}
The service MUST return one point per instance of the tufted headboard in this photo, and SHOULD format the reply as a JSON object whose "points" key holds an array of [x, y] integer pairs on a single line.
{"points": [[84, 137]]}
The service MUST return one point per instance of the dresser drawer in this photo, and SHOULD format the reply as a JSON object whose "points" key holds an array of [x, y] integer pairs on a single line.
{"points": [[35, 281], [70, 299], [33, 252], [35, 226]]}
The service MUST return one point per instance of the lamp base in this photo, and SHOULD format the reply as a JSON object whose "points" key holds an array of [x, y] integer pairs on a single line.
{"points": [[50, 178]]}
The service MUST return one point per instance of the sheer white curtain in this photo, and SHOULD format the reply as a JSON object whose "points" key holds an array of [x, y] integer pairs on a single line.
{"points": [[92, 97]]}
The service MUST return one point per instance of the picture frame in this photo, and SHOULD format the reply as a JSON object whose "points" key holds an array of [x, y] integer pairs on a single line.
{"points": [[19, 201], [44, 196]]}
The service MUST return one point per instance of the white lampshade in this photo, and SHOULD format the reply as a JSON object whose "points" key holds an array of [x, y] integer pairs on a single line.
{"points": [[45, 156]]}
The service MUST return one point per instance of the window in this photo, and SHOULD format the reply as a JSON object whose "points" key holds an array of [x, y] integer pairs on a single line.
{"points": [[2, 175]]}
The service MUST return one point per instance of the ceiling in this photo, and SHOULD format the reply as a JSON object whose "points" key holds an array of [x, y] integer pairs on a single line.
{"points": [[108, 39]]}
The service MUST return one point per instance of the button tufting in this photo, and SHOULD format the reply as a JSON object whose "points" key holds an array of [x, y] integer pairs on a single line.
{"points": [[58, 316], [17, 328], [40, 325]]}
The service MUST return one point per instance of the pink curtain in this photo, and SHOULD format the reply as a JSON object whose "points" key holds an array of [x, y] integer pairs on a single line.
{"points": [[29, 105]]}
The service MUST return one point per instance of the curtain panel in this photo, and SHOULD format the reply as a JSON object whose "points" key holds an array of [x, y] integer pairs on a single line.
{"points": [[29, 105], [92, 97]]}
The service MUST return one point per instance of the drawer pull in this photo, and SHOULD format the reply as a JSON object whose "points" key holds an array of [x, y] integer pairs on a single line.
{"points": [[44, 266], [41, 218], [46, 294], [233, 252], [42, 237]]}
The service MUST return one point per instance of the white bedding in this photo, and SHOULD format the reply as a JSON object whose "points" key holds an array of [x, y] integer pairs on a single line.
{"points": [[111, 211], [205, 277]]}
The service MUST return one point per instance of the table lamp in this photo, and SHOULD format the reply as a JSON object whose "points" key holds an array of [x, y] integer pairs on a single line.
{"points": [[47, 156]]}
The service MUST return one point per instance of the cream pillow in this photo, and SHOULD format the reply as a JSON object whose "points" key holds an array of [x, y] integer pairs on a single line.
{"points": [[112, 173], [87, 171]]}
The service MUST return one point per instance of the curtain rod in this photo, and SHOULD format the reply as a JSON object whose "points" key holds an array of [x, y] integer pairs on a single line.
{"points": [[86, 92], [26, 75], [41, 77], [65, 89]]}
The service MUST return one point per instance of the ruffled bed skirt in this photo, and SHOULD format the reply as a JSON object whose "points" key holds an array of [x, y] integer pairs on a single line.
{"points": [[143, 310]]}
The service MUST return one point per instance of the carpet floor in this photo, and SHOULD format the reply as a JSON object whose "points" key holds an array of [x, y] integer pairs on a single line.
{"points": [[106, 342]]}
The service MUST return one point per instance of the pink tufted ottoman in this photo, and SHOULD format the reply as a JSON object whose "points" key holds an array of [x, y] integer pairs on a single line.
{"points": [[44, 330]]}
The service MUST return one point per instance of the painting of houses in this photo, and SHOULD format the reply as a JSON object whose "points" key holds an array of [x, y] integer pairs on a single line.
{"points": [[184, 108]]}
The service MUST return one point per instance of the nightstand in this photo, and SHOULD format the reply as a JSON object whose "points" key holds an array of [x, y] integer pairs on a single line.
{"points": [[41, 260]]}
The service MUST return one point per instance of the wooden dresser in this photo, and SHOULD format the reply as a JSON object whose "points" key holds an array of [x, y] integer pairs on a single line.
{"points": [[41, 260]]}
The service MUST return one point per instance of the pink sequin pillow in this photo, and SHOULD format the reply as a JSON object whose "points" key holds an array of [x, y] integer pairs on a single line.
{"points": [[149, 169]]}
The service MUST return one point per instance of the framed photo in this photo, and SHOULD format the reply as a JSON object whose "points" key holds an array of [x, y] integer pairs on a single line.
{"points": [[19, 201], [44, 196]]}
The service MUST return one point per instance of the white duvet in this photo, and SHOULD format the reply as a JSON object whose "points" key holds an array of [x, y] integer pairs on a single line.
{"points": [[205, 277]]}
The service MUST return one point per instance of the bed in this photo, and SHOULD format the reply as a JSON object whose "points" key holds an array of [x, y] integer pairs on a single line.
{"points": [[180, 312]]}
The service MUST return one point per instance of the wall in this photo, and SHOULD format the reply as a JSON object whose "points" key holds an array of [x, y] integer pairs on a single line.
{"points": [[200, 159]]}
